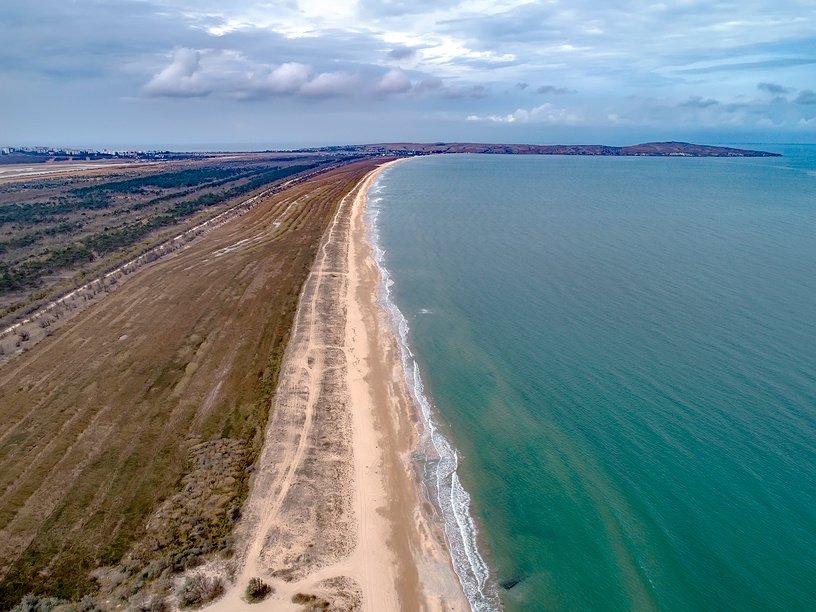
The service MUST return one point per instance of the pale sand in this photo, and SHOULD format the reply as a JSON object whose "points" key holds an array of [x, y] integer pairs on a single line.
{"points": [[333, 509]]}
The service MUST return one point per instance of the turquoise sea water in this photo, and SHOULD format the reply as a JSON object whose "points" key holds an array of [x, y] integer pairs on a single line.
{"points": [[623, 355]]}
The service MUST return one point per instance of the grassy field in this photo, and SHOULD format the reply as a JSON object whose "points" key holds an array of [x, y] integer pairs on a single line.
{"points": [[61, 227], [127, 437]]}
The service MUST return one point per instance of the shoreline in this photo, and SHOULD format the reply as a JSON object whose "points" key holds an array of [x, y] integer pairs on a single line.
{"points": [[416, 538], [334, 514], [433, 459]]}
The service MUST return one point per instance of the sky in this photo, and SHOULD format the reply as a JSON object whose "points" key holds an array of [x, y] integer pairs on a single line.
{"points": [[253, 74]]}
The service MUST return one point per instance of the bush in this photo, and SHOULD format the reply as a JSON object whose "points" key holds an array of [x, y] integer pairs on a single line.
{"points": [[155, 568], [257, 590], [313, 601], [199, 590], [35, 603]]}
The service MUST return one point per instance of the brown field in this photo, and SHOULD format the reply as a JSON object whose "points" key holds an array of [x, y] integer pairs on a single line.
{"points": [[127, 437], [56, 231]]}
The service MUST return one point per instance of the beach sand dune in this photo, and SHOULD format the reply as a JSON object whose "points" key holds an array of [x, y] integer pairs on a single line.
{"points": [[334, 519]]}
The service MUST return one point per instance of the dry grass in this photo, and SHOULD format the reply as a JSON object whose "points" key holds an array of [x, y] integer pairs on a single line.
{"points": [[101, 424]]}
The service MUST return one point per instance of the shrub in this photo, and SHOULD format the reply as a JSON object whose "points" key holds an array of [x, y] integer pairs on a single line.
{"points": [[155, 568], [198, 590], [301, 598], [313, 601], [35, 603], [257, 590]]}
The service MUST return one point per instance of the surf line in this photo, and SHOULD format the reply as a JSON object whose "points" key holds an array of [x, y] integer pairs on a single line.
{"points": [[436, 456]]}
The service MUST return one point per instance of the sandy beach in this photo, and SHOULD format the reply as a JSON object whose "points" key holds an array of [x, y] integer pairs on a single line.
{"points": [[334, 520]]}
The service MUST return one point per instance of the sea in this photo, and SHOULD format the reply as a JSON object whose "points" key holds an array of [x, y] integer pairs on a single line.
{"points": [[614, 359]]}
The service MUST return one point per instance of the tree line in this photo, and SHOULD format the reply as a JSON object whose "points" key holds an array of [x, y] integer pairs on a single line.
{"points": [[28, 273]]}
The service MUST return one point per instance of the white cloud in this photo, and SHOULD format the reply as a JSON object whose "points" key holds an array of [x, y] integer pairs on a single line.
{"points": [[395, 81], [229, 74], [543, 114], [330, 84], [333, 11], [289, 78], [183, 77], [666, 65]]}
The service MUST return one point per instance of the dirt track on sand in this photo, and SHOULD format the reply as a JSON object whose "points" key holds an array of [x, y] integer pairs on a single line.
{"points": [[333, 517]]}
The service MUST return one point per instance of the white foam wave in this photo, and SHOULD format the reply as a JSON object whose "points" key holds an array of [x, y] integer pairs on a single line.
{"points": [[437, 457]]}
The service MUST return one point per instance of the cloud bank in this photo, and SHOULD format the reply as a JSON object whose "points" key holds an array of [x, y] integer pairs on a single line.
{"points": [[195, 73], [443, 68]]}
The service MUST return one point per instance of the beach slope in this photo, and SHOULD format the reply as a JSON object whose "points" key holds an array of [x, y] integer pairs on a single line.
{"points": [[334, 518]]}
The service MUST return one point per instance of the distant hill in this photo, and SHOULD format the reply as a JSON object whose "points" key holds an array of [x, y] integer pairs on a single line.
{"points": [[674, 149]]}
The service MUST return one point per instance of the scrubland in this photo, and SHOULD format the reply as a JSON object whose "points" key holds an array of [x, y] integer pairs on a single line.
{"points": [[128, 436], [55, 231]]}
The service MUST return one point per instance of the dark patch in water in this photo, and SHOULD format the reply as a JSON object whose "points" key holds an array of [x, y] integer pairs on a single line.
{"points": [[509, 584]]}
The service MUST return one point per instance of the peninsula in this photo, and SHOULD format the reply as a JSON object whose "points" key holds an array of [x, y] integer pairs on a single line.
{"points": [[650, 149]]}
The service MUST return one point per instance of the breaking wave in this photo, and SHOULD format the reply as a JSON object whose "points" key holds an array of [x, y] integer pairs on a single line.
{"points": [[435, 455]]}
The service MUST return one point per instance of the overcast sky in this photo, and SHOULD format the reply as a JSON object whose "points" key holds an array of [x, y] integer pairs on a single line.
{"points": [[288, 73]]}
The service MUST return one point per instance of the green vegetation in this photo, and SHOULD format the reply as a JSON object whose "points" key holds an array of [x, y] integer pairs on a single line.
{"points": [[21, 241], [127, 438], [29, 273], [43, 212], [165, 180], [125, 236], [78, 225], [32, 603]]}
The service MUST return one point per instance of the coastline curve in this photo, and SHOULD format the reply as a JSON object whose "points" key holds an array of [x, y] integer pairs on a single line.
{"points": [[434, 456]]}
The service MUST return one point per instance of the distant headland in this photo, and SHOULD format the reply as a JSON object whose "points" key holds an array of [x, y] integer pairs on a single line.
{"points": [[28, 155], [658, 149]]}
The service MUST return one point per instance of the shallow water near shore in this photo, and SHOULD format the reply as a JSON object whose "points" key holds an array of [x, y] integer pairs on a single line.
{"points": [[623, 353]]}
